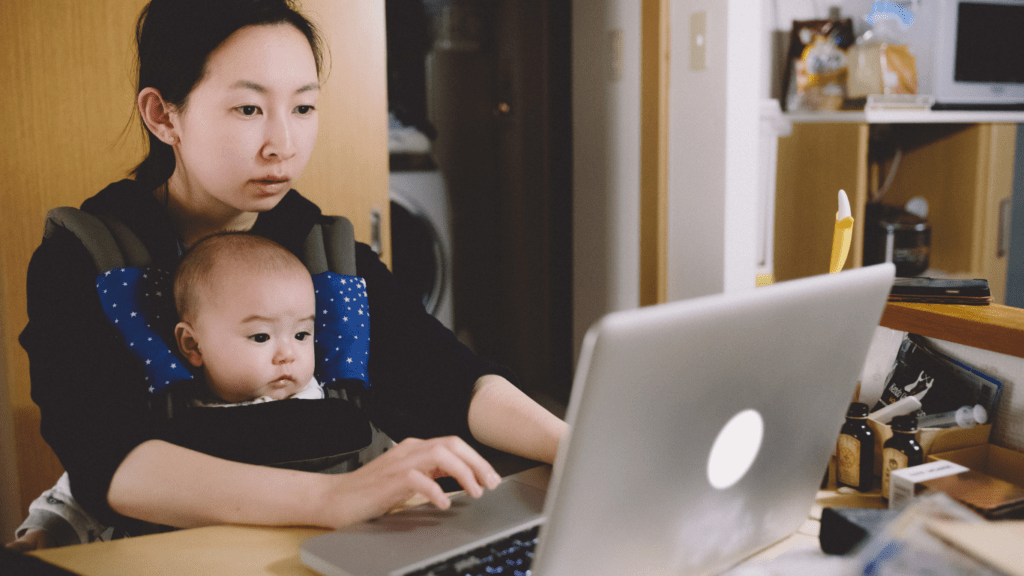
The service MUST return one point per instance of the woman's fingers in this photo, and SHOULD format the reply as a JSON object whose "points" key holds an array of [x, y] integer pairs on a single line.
{"points": [[428, 488], [451, 456], [411, 468]]}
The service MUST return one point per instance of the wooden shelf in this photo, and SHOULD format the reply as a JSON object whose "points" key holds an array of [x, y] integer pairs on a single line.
{"points": [[906, 117], [994, 327]]}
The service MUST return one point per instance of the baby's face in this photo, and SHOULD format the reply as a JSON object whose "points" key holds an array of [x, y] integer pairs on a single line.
{"points": [[255, 334]]}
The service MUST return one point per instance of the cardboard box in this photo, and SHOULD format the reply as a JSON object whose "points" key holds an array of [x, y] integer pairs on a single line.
{"points": [[993, 460], [932, 440], [996, 489], [906, 483]]}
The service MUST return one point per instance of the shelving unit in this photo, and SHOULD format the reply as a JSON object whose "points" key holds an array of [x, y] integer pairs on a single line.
{"points": [[960, 162], [996, 327]]}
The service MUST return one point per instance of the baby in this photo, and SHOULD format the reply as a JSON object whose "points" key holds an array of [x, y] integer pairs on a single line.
{"points": [[246, 307]]}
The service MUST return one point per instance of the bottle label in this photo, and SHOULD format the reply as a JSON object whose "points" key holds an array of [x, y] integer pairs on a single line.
{"points": [[892, 459], [849, 460]]}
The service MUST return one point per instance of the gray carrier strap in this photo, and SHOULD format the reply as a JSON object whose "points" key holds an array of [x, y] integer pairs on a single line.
{"points": [[331, 246], [110, 243]]}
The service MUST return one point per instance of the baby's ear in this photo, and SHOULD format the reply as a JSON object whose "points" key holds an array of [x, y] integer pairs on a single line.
{"points": [[184, 335]]}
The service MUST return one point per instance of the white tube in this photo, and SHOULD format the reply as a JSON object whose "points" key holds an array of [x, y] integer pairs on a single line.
{"points": [[964, 417], [904, 405]]}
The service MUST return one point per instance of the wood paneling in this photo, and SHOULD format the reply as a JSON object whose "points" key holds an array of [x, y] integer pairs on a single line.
{"points": [[654, 153], [68, 95], [348, 172], [815, 162]]}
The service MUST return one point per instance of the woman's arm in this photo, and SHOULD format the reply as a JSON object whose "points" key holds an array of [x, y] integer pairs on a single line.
{"points": [[167, 484], [503, 417]]}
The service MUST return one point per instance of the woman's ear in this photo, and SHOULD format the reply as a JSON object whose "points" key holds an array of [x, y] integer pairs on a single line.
{"points": [[184, 335], [157, 115]]}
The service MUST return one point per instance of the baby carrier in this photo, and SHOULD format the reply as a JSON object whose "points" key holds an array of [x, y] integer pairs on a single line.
{"points": [[329, 435]]}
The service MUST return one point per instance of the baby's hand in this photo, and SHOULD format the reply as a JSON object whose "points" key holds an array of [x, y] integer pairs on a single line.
{"points": [[31, 540]]}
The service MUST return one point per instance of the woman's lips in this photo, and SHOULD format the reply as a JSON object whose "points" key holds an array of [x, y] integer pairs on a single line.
{"points": [[272, 186]]}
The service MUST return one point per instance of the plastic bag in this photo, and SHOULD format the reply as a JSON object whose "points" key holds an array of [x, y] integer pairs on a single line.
{"points": [[880, 62], [906, 547]]}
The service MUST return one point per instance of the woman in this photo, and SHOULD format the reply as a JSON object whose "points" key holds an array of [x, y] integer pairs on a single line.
{"points": [[227, 92]]}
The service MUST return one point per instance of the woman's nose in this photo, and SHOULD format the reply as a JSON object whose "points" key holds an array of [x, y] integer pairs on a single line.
{"points": [[279, 143]]}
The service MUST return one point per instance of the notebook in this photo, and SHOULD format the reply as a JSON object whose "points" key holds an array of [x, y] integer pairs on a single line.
{"points": [[699, 433]]}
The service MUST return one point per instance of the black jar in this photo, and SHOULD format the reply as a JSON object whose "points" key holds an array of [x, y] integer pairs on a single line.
{"points": [[891, 234], [855, 450], [902, 450]]}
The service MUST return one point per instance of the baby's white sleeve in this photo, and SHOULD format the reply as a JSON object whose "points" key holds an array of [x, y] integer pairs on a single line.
{"points": [[56, 512]]}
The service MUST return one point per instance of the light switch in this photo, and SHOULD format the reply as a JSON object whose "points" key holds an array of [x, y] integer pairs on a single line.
{"points": [[698, 40]]}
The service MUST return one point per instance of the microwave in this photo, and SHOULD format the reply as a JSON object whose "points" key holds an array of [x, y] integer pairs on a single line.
{"points": [[971, 52]]}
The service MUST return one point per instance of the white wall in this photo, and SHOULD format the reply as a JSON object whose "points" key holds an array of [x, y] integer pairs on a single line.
{"points": [[714, 116], [606, 160]]}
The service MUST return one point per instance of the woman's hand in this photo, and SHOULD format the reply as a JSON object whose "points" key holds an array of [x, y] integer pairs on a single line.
{"points": [[411, 468], [31, 540]]}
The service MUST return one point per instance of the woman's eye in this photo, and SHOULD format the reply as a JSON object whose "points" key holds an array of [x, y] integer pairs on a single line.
{"points": [[302, 336], [248, 110], [260, 338], [304, 109]]}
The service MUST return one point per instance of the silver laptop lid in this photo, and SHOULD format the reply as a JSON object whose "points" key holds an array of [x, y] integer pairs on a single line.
{"points": [[631, 492]]}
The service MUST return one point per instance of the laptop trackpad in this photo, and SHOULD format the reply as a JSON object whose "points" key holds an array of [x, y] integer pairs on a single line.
{"points": [[424, 532]]}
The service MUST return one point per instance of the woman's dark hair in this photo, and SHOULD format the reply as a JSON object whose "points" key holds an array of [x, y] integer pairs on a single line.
{"points": [[174, 40]]}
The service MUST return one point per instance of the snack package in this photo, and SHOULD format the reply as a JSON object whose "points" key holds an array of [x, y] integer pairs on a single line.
{"points": [[880, 61], [941, 383], [815, 76]]}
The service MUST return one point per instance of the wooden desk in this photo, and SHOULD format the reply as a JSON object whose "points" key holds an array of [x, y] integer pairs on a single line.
{"points": [[257, 551], [214, 550]]}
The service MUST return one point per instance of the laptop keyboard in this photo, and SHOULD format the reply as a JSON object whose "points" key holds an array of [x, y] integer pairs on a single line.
{"points": [[511, 556]]}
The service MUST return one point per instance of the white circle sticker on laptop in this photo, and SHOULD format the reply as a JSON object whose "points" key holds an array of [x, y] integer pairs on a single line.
{"points": [[735, 449]]}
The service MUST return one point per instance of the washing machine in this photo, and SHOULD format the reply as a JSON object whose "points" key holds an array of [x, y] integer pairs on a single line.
{"points": [[421, 233]]}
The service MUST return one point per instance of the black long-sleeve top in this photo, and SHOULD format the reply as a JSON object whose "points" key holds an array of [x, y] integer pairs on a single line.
{"points": [[95, 408]]}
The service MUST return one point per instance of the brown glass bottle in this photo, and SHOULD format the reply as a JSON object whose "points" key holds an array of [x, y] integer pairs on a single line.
{"points": [[900, 451], [855, 450]]}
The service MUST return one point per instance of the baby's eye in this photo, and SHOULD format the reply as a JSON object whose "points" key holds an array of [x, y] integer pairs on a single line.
{"points": [[305, 109], [302, 336], [248, 110], [260, 338]]}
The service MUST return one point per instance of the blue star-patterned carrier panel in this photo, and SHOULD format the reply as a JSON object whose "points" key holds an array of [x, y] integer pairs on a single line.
{"points": [[139, 302]]}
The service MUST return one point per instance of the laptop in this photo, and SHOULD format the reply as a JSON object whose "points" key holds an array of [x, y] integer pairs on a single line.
{"points": [[699, 433]]}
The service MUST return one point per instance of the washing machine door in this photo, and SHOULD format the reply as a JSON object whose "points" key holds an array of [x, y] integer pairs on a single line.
{"points": [[419, 256]]}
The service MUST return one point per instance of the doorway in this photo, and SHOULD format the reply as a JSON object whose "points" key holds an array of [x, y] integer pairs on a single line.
{"points": [[496, 111]]}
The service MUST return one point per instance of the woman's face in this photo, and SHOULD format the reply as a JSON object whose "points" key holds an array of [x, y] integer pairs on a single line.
{"points": [[248, 127]]}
